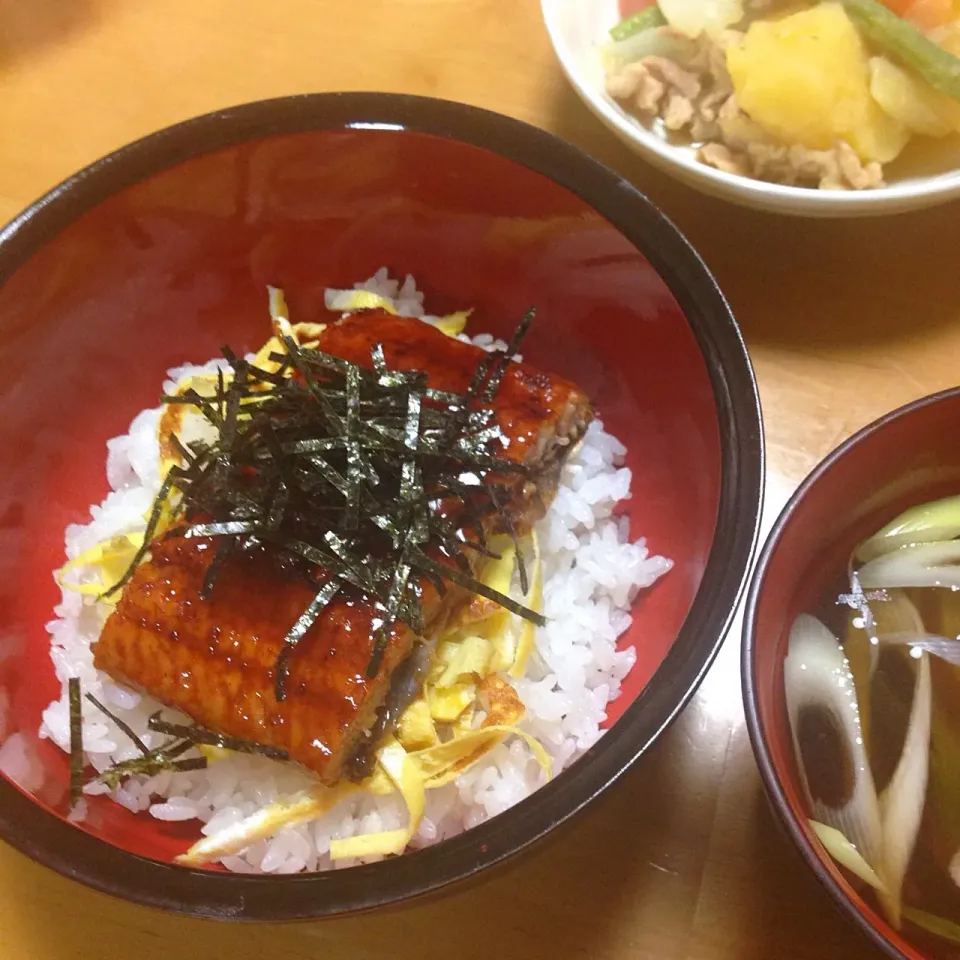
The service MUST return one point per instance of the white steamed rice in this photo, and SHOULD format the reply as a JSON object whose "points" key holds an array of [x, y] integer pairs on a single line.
{"points": [[591, 575]]}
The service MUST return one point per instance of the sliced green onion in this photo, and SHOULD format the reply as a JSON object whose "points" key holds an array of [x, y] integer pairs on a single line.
{"points": [[643, 20], [938, 926], [845, 853], [656, 42], [943, 647]]}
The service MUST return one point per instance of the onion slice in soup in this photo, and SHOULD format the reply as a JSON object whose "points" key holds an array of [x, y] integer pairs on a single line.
{"points": [[827, 737], [934, 564], [937, 520], [902, 801]]}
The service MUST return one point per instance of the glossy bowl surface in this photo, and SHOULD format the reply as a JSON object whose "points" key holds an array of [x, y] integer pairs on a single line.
{"points": [[907, 457], [576, 28], [161, 252]]}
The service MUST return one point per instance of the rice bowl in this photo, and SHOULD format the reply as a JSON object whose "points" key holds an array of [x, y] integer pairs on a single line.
{"points": [[634, 316], [592, 573]]}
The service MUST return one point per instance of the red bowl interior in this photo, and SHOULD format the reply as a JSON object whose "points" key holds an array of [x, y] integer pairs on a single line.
{"points": [[905, 458], [167, 270]]}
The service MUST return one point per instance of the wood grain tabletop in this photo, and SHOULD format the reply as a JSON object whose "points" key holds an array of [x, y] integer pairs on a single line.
{"points": [[844, 320]]}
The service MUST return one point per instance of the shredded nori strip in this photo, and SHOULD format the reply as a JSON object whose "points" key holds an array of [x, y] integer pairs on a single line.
{"points": [[504, 359], [197, 734], [305, 621], [398, 586], [152, 763], [158, 504], [512, 531], [423, 562], [357, 476], [76, 741], [167, 756], [141, 746], [220, 555], [186, 454]]}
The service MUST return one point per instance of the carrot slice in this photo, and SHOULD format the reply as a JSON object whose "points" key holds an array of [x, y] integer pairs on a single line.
{"points": [[929, 14]]}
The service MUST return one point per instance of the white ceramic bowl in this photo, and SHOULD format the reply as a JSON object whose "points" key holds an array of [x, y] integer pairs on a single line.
{"points": [[576, 27]]}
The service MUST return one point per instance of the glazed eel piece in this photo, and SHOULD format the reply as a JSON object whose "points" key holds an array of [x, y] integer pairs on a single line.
{"points": [[214, 658]]}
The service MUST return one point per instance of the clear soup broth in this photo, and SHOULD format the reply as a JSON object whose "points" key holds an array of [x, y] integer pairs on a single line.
{"points": [[872, 682]]}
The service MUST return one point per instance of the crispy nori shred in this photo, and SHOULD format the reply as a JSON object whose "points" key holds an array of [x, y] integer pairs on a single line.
{"points": [[220, 556], [196, 734], [398, 586], [187, 455], [167, 756], [150, 762], [428, 565], [164, 757], [512, 531], [158, 504], [503, 360], [141, 746], [76, 741], [304, 622], [359, 477]]}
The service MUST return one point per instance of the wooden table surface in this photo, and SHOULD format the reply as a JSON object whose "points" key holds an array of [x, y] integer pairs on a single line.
{"points": [[681, 861]]}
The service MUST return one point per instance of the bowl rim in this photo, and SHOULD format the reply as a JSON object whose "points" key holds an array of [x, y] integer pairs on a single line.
{"points": [[750, 683], [74, 853], [898, 197]]}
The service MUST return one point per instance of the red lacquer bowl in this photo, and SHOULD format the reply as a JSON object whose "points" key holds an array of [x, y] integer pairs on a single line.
{"points": [[907, 457], [161, 252]]}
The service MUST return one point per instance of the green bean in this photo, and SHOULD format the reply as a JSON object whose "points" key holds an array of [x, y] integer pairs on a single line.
{"points": [[939, 67], [644, 20]]}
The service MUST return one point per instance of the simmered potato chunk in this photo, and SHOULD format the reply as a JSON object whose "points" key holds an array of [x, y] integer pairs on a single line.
{"points": [[806, 79], [911, 101]]}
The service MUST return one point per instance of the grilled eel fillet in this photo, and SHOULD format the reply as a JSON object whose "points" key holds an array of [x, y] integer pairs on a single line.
{"points": [[214, 659]]}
